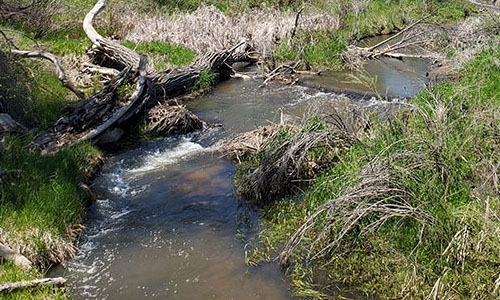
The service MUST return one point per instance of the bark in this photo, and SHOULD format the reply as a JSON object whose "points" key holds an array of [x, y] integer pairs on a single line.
{"points": [[106, 52], [13, 286]]}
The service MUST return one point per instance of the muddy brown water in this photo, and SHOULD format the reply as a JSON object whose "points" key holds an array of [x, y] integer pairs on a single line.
{"points": [[167, 223]]}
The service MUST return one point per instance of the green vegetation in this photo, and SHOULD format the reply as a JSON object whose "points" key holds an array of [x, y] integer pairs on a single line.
{"points": [[164, 55], [40, 202], [9, 272], [317, 50], [412, 211], [205, 80]]}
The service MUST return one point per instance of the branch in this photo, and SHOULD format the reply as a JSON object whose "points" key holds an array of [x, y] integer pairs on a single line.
{"points": [[13, 286], [57, 63], [292, 35], [90, 67], [398, 34], [485, 5]]}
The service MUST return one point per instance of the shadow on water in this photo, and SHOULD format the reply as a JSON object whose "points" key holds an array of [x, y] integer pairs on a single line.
{"points": [[167, 221]]}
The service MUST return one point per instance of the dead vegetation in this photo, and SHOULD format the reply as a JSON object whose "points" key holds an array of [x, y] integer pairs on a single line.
{"points": [[290, 156], [253, 142], [167, 119], [56, 249], [448, 46], [103, 117], [208, 29], [378, 197]]}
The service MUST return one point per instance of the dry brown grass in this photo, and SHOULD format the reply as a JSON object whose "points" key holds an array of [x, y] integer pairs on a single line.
{"points": [[293, 157], [42, 247], [458, 44], [208, 29], [252, 142]]}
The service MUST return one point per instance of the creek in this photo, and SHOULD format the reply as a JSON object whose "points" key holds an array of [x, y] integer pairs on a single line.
{"points": [[168, 224]]}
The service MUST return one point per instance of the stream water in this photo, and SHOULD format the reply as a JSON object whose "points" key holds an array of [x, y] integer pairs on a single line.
{"points": [[167, 223]]}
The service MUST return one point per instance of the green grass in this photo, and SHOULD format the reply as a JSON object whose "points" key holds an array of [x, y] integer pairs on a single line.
{"points": [[45, 192], [11, 273], [165, 55], [205, 80], [40, 203], [318, 50], [442, 157]]}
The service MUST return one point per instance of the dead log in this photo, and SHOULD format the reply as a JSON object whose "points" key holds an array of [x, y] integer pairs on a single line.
{"points": [[104, 110], [109, 111], [390, 50], [92, 112], [13, 286], [57, 63], [17, 258], [106, 52]]}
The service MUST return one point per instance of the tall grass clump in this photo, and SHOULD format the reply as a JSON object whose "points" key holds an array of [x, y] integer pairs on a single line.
{"points": [[411, 211]]}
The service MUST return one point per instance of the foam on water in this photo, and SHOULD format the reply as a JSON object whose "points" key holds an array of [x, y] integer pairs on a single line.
{"points": [[161, 159]]}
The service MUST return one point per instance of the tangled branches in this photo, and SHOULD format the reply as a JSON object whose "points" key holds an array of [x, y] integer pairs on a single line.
{"points": [[295, 157]]}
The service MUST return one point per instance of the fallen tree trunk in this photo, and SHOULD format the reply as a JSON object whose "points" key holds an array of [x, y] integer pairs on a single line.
{"points": [[106, 52], [13, 286], [109, 111]]}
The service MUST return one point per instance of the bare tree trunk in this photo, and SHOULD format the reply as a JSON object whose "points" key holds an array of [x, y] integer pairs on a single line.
{"points": [[106, 52]]}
